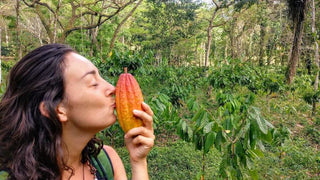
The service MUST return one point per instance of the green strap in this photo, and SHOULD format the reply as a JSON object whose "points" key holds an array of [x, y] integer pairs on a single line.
{"points": [[3, 175], [103, 165]]}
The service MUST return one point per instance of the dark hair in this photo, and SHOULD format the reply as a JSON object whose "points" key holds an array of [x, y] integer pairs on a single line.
{"points": [[30, 143]]}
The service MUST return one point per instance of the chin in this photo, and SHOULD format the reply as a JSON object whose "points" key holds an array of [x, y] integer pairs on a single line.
{"points": [[111, 120]]}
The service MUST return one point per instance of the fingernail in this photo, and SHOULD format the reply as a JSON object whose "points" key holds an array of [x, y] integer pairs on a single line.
{"points": [[135, 111]]}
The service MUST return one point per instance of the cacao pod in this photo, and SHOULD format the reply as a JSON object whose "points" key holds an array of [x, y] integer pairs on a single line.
{"points": [[128, 98]]}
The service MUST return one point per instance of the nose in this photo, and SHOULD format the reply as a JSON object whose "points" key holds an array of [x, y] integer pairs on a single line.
{"points": [[110, 89]]}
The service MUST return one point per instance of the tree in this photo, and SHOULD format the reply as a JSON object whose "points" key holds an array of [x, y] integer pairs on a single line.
{"points": [[316, 47], [263, 26], [18, 29], [297, 11], [0, 56], [316, 53], [62, 22], [167, 27], [120, 25], [217, 6]]}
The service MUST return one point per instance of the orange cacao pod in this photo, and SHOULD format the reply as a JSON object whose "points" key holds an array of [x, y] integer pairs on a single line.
{"points": [[128, 98]]}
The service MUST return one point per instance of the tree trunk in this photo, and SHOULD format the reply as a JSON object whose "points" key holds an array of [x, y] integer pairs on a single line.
{"points": [[209, 35], [294, 57], [262, 37], [18, 29], [0, 56], [298, 18], [232, 39], [316, 47], [120, 25], [316, 55]]}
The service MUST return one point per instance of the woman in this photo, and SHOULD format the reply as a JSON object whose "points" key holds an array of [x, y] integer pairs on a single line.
{"points": [[54, 104]]}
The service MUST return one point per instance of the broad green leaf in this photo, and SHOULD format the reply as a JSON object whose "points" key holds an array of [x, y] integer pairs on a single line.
{"points": [[197, 116], [239, 151], [243, 130], [261, 122], [198, 141], [208, 127], [209, 141], [267, 137], [258, 152], [260, 145], [203, 120], [252, 154], [253, 136], [217, 141]]}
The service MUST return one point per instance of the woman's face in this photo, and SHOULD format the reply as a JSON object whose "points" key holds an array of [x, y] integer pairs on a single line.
{"points": [[89, 100]]}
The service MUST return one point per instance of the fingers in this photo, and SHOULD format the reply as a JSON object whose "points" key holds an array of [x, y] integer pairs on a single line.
{"points": [[147, 142], [140, 131], [145, 115], [147, 108], [140, 136]]}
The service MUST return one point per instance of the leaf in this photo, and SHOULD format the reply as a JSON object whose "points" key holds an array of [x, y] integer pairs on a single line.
{"points": [[209, 142], [258, 153], [253, 136], [239, 151], [261, 146], [196, 117], [267, 137], [184, 126], [189, 133], [198, 141], [217, 141], [243, 130], [208, 127], [254, 174], [204, 120], [259, 120]]}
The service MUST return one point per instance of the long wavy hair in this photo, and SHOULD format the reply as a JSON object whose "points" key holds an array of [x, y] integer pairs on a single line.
{"points": [[30, 143]]}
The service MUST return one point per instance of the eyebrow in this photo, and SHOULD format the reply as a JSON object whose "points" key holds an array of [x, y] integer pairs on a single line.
{"points": [[93, 72]]}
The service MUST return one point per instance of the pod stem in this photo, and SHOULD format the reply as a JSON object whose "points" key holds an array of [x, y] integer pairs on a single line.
{"points": [[125, 70]]}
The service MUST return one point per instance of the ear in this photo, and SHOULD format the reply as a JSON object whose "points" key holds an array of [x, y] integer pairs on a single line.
{"points": [[62, 112], [43, 110]]}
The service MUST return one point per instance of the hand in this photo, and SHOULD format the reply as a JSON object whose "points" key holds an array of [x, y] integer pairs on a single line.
{"points": [[140, 140]]}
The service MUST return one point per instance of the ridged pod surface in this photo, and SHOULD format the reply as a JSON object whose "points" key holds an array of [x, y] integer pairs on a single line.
{"points": [[128, 98]]}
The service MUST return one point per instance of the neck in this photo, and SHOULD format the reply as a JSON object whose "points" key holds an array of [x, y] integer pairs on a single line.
{"points": [[74, 143]]}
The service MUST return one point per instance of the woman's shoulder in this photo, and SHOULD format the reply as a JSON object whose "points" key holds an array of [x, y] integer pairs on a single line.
{"points": [[110, 150], [113, 155], [116, 161]]}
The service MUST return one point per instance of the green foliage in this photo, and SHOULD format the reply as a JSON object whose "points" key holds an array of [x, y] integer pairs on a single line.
{"points": [[236, 129], [296, 160], [165, 114], [311, 96], [166, 26], [236, 74], [233, 74], [7, 65], [177, 160]]}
